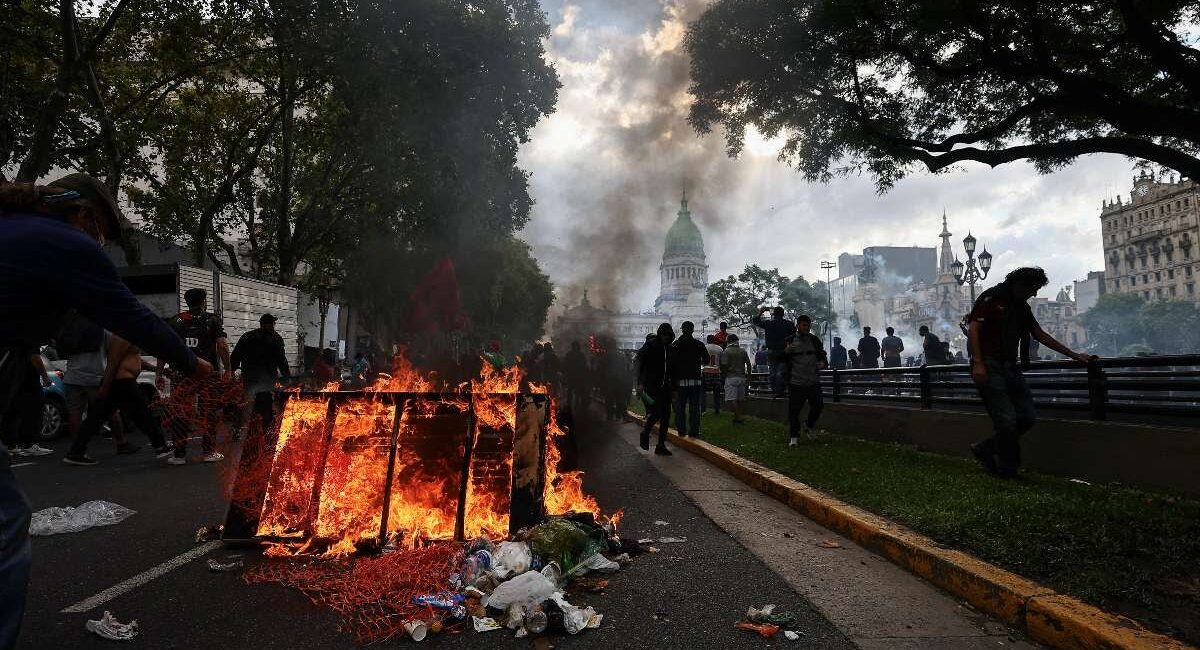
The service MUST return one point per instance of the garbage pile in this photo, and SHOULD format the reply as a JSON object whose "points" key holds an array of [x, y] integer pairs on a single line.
{"points": [[516, 584]]}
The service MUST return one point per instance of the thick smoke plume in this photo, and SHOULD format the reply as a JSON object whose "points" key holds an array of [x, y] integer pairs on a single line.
{"points": [[617, 154]]}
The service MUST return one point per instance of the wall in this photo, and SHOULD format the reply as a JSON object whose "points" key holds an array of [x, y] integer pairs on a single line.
{"points": [[1146, 456], [309, 322], [244, 300]]}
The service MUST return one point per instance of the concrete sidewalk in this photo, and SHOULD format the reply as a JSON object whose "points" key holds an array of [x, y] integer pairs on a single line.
{"points": [[874, 603]]}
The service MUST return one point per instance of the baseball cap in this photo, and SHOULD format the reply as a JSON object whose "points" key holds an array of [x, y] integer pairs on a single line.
{"points": [[96, 193], [266, 318]]}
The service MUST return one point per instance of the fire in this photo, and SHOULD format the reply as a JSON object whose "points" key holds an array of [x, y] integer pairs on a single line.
{"points": [[451, 457]]}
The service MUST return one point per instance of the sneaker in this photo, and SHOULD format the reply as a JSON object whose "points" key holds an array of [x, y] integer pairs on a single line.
{"points": [[16, 451], [177, 460], [987, 460], [644, 443], [164, 451], [128, 448], [214, 457], [662, 451], [36, 450], [82, 460], [794, 441]]}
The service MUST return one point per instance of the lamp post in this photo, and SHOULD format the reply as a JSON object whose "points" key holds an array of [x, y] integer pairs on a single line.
{"points": [[827, 265], [975, 269]]}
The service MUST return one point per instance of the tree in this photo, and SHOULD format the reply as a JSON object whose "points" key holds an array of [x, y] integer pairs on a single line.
{"points": [[800, 297], [1112, 323], [883, 85], [1170, 326], [736, 299]]}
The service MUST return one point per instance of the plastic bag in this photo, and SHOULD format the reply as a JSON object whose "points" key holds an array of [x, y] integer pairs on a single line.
{"points": [[563, 541], [594, 562], [526, 589], [112, 629], [52, 521], [576, 619], [511, 558]]}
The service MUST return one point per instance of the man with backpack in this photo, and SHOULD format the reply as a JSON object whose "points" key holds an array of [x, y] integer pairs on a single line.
{"points": [[204, 335]]}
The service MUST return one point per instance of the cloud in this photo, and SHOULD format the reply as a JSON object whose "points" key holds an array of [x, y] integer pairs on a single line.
{"points": [[609, 165]]}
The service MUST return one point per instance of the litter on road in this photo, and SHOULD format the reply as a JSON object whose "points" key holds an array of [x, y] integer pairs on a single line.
{"points": [[52, 521], [231, 564], [112, 629]]}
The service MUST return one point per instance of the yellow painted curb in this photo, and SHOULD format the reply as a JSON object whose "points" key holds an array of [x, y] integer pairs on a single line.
{"points": [[1048, 617]]}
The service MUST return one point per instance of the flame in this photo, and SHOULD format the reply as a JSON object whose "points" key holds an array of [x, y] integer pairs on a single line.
{"points": [[328, 482]]}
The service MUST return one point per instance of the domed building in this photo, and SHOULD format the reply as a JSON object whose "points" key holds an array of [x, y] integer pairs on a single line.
{"points": [[683, 272], [683, 280]]}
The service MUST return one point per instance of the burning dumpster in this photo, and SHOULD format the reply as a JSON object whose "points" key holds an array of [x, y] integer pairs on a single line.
{"points": [[349, 471]]}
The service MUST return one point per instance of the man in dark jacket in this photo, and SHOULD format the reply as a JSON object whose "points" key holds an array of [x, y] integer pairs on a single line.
{"points": [[654, 382], [259, 354], [837, 357], [805, 359], [776, 331], [50, 261], [931, 345], [688, 357], [868, 350]]}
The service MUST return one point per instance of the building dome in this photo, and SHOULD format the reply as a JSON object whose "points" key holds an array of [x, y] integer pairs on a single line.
{"points": [[684, 237]]}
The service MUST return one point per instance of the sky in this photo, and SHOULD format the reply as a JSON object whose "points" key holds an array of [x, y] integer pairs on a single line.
{"points": [[608, 167]]}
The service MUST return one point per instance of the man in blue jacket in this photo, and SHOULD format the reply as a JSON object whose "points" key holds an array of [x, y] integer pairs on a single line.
{"points": [[51, 261]]}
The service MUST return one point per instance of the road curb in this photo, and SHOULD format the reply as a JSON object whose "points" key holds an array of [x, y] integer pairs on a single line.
{"points": [[1048, 617]]}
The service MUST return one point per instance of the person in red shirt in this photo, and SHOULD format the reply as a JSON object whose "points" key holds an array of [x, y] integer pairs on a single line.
{"points": [[722, 336], [999, 329]]}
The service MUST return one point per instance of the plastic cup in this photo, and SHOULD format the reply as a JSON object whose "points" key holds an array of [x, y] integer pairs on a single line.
{"points": [[416, 630]]}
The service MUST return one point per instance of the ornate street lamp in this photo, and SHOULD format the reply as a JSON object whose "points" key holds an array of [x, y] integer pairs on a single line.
{"points": [[975, 269]]}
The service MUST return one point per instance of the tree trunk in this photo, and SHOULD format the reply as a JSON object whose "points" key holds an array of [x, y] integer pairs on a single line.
{"points": [[37, 161], [283, 231]]}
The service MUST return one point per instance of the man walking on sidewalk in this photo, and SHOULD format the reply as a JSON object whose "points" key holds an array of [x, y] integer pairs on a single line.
{"points": [[999, 321], [805, 358], [688, 357], [735, 365], [654, 382]]}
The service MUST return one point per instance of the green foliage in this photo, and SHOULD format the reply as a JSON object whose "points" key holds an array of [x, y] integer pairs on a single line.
{"points": [[738, 299], [880, 86], [1112, 322], [1125, 325]]}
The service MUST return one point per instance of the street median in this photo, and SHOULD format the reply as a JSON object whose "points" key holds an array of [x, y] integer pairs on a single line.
{"points": [[1048, 617]]}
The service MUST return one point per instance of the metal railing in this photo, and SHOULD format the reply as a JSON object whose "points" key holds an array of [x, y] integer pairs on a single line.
{"points": [[1140, 386]]}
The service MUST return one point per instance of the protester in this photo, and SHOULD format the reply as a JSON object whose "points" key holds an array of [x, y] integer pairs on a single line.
{"points": [[837, 356], [260, 355], [721, 338], [805, 358], [891, 346], [119, 391], [735, 365], [688, 357], [711, 375], [23, 422], [86, 346], [777, 331], [868, 350], [998, 322], [361, 368], [959, 358], [551, 364], [760, 360], [50, 261], [931, 345], [203, 332], [575, 375], [654, 383], [324, 370], [854, 361]]}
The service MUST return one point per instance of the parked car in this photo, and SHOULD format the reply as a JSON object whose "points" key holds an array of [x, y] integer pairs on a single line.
{"points": [[54, 409]]}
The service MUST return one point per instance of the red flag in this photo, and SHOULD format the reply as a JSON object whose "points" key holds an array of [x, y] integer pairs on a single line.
{"points": [[435, 305]]}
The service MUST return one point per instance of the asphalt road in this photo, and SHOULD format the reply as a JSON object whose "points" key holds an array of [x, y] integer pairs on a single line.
{"points": [[689, 595]]}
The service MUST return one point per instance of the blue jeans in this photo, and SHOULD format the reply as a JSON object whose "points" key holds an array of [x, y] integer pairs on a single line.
{"points": [[15, 553], [687, 398], [1010, 405], [775, 367]]}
